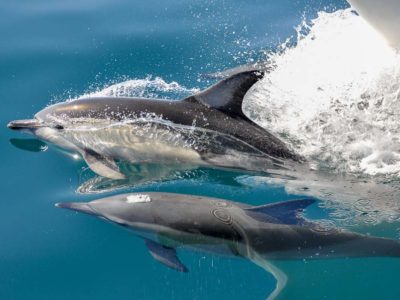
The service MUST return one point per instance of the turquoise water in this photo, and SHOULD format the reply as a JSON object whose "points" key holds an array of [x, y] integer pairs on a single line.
{"points": [[54, 50]]}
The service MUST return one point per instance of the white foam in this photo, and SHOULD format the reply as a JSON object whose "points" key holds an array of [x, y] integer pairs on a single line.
{"points": [[146, 88], [334, 96]]}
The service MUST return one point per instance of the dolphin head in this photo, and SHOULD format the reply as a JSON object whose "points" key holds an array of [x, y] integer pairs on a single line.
{"points": [[44, 125], [129, 210], [47, 132], [46, 118], [32, 126], [55, 116], [65, 112], [47, 125]]}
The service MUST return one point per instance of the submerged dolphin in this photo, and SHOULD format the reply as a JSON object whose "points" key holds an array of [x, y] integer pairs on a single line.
{"points": [[260, 233], [208, 128]]}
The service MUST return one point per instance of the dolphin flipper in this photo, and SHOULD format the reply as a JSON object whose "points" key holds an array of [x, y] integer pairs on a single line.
{"points": [[165, 255], [102, 165]]}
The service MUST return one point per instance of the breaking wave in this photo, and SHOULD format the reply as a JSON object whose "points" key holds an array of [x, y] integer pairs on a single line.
{"points": [[334, 96]]}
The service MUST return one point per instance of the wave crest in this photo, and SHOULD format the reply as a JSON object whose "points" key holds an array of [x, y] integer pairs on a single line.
{"points": [[334, 96]]}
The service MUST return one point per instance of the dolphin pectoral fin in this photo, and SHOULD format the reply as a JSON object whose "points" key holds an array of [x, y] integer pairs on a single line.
{"points": [[165, 255], [287, 212], [102, 165]]}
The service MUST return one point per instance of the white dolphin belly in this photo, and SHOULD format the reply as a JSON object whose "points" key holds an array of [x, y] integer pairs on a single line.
{"points": [[133, 144], [102, 144]]}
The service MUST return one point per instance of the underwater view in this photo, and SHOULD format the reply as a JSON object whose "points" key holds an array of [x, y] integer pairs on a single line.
{"points": [[200, 149]]}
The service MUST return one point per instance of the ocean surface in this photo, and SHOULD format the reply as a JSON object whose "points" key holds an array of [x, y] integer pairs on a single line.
{"points": [[332, 96]]}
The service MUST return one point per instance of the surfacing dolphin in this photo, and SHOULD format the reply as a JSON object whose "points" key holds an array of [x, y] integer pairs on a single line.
{"points": [[208, 128], [260, 233]]}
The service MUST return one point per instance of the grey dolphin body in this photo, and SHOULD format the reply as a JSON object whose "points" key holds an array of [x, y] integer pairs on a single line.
{"points": [[269, 232], [277, 231], [208, 128]]}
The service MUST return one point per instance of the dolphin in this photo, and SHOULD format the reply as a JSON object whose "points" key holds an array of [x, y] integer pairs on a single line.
{"points": [[206, 129], [276, 231]]}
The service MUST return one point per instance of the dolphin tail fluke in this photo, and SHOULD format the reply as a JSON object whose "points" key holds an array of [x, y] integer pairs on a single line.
{"points": [[102, 165]]}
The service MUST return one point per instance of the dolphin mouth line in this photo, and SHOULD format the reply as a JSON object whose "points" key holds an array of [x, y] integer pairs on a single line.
{"points": [[31, 124], [25, 124], [86, 208]]}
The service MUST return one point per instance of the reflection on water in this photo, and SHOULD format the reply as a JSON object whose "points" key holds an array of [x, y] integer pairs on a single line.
{"points": [[351, 201], [32, 145], [144, 174], [139, 174]]}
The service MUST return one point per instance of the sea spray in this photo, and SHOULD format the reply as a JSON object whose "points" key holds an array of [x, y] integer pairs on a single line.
{"points": [[333, 96], [148, 87]]}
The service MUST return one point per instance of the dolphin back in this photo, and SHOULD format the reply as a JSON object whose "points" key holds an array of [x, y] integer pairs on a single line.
{"points": [[376, 247]]}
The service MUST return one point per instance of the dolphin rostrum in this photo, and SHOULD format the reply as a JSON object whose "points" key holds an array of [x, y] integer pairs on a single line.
{"points": [[208, 128], [274, 231]]}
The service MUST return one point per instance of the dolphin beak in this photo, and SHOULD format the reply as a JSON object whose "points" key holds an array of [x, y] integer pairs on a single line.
{"points": [[79, 207], [24, 124]]}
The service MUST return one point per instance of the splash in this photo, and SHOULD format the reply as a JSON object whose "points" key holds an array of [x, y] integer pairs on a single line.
{"points": [[334, 96], [143, 88]]}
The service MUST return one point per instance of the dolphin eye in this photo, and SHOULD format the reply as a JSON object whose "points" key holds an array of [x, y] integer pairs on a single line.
{"points": [[59, 127]]}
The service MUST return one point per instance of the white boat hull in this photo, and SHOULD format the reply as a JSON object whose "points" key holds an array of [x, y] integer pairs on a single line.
{"points": [[382, 15]]}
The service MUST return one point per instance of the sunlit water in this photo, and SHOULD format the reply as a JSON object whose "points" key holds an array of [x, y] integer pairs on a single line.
{"points": [[331, 95]]}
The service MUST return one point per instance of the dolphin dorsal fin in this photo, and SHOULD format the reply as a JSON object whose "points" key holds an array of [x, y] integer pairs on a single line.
{"points": [[283, 212], [227, 95]]}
